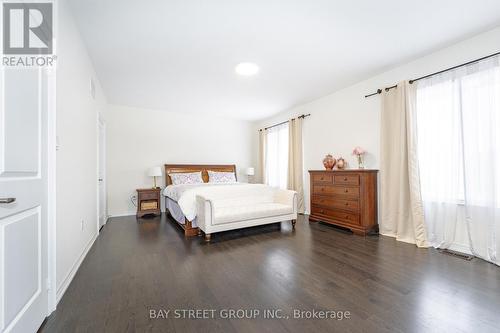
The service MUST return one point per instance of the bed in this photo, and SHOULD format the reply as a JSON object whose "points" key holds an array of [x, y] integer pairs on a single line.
{"points": [[198, 206], [188, 224]]}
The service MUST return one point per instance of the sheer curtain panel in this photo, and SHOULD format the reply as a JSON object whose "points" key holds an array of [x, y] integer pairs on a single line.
{"points": [[276, 152], [262, 155], [458, 122]]}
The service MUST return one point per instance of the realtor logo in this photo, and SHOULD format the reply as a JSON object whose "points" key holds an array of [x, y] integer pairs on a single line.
{"points": [[27, 28]]}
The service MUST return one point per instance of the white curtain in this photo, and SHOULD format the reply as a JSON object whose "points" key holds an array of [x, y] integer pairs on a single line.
{"points": [[295, 163], [458, 128], [276, 170], [401, 209], [262, 155]]}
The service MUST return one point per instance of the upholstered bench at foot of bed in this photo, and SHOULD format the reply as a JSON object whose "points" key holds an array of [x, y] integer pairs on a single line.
{"points": [[216, 215]]}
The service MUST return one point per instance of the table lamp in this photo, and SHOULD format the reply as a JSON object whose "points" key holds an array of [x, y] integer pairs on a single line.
{"points": [[250, 173], [154, 172]]}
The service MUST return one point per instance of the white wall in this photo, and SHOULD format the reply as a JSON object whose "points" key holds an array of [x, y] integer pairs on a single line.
{"points": [[345, 119], [76, 174], [138, 139]]}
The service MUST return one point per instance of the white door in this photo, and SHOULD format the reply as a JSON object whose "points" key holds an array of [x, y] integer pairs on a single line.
{"points": [[23, 199], [103, 211]]}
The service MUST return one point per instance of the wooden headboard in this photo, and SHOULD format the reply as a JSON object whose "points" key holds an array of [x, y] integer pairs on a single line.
{"points": [[176, 168]]}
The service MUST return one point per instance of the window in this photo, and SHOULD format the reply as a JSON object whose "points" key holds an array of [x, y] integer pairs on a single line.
{"points": [[277, 156], [458, 128]]}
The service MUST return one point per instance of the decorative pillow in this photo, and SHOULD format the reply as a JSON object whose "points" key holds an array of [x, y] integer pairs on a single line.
{"points": [[186, 178], [221, 177]]}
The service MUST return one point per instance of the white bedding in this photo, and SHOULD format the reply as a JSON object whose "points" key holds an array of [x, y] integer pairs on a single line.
{"points": [[228, 194], [176, 212]]}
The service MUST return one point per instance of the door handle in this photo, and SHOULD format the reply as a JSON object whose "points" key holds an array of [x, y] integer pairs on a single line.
{"points": [[100, 179], [7, 200]]}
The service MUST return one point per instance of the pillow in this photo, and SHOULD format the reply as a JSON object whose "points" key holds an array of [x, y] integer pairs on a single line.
{"points": [[221, 177], [179, 178]]}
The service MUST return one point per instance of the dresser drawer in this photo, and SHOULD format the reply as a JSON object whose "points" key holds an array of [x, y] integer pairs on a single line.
{"points": [[330, 202], [346, 179], [336, 190], [148, 196], [322, 178], [147, 205], [334, 214]]}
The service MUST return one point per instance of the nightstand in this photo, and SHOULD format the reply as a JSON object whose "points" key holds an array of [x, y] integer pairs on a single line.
{"points": [[148, 201]]}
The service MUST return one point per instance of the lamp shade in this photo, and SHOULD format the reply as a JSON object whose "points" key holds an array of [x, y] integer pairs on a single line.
{"points": [[250, 171], [154, 172]]}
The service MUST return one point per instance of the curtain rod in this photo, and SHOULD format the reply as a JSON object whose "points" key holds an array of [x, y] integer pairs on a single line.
{"points": [[379, 91], [284, 122]]}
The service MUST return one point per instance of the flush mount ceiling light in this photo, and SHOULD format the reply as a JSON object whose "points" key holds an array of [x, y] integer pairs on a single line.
{"points": [[246, 69]]}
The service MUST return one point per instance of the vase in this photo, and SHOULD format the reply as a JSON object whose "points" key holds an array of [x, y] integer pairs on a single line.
{"points": [[361, 165], [341, 164], [329, 162]]}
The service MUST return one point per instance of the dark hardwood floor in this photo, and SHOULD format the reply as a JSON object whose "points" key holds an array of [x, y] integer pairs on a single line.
{"points": [[387, 286]]}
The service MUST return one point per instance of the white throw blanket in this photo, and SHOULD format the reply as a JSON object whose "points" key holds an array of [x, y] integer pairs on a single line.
{"points": [[226, 195]]}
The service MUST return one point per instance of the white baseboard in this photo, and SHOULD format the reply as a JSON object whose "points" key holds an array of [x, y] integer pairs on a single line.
{"points": [[128, 214], [123, 214], [71, 274]]}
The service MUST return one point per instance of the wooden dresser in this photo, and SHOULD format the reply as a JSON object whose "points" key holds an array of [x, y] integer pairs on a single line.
{"points": [[347, 198]]}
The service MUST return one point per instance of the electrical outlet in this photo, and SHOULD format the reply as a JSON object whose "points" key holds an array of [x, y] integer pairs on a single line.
{"points": [[133, 199], [82, 223]]}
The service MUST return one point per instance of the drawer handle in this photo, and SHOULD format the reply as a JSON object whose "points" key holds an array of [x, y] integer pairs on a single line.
{"points": [[345, 178], [322, 211], [322, 189], [347, 217], [347, 204], [321, 178], [346, 190]]}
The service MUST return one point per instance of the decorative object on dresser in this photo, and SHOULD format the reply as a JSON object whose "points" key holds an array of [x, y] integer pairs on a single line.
{"points": [[154, 172], [347, 198], [359, 152], [329, 162], [341, 163], [148, 201]]}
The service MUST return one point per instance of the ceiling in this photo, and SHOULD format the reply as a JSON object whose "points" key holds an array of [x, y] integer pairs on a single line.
{"points": [[179, 55]]}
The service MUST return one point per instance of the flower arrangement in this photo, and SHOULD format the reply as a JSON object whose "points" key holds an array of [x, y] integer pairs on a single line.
{"points": [[359, 152]]}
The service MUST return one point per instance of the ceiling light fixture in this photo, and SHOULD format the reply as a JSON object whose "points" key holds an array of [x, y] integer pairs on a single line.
{"points": [[246, 69]]}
